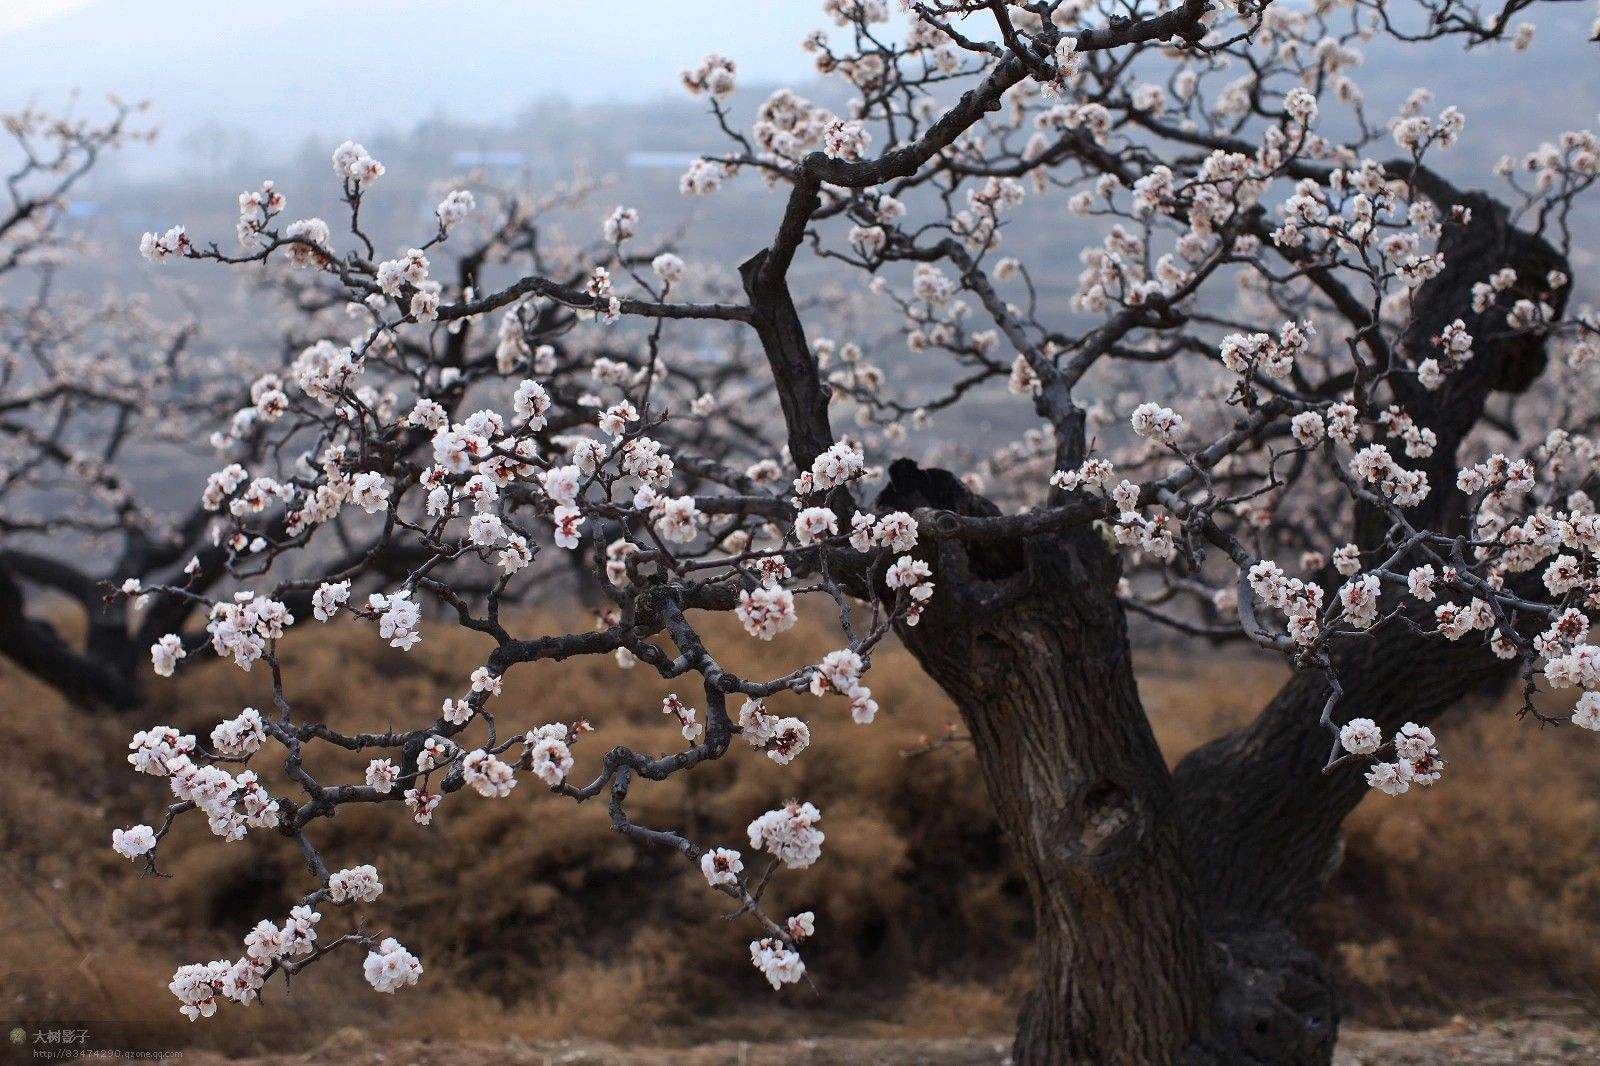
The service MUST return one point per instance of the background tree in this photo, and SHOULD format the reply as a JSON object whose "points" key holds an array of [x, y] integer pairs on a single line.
{"points": [[96, 389], [79, 379], [1312, 465]]}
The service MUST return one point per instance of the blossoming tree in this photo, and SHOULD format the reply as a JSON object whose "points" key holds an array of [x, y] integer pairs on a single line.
{"points": [[87, 387], [1311, 462]]}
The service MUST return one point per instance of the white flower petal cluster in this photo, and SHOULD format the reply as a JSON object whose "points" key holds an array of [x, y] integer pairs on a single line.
{"points": [[916, 578], [165, 653], [242, 628], [1361, 736], [381, 775], [1416, 762], [134, 841], [158, 247], [1159, 423], [789, 834], [199, 987], [815, 524], [685, 714], [358, 884], [352, 163], [766, 611], [487, 774], [550, 753], [721, 866], [398, 617], [779, 964], [455, 207], [1300, 600], [329, 597], [391, 967], [241, 737]]}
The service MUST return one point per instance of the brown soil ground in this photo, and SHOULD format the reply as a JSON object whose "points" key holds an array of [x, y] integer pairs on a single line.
{"points": [[1523, 1041]]}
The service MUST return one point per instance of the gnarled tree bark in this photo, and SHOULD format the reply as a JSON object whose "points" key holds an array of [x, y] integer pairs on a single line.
{"points": [[1032, 648], [1030, 642]]}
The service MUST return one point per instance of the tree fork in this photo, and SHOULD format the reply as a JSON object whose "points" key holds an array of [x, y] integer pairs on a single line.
{"points": [[1028, 639]]}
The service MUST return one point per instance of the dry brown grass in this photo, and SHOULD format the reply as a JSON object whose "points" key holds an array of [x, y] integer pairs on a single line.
{"points": [[536, 921]]}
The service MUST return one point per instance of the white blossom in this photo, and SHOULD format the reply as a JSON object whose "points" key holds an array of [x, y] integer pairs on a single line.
{"points": [[790, 834], [721, 866], [134, 841], [1361, 736], [391, 967], [359, 884]]}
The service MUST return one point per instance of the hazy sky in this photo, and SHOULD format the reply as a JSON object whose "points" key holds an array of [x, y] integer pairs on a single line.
{"points": [[345, 68], [287, 70]]}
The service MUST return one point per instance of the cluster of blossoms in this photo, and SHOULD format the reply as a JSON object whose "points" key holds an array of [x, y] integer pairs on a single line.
{"points": [[390, 966], [844, 139], [767, 610], [714, 76], [789, 834], [674, 707], [257, 208], [1454, 345], [268, 946], [1375, 466], [243, 628], [398, 616], [839, 465], [1157, 423], [487, 775], [1416, 759], [778, 963], [232, 805], [455, 207], [549, 754], [241, 737], [840, 672], [781, 738], [359, 885], [1275, 357], [1299, 600], [1153, 538], [159, 246], [352, 163]]}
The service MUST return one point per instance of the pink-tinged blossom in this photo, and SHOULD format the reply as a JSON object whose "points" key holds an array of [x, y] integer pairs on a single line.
{"points": [[790, 834], [134, 841], [766, 611], [815, 524], [391, 967], [721, 866]]}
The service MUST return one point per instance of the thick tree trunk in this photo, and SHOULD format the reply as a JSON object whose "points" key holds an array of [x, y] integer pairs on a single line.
{"points": [[1261, 820], [1038, 663], [1031, 644]]}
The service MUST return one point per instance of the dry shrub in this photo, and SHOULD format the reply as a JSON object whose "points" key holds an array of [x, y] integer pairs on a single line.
{"points": [[535, 920], [531, 914], [1483, 887]]}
